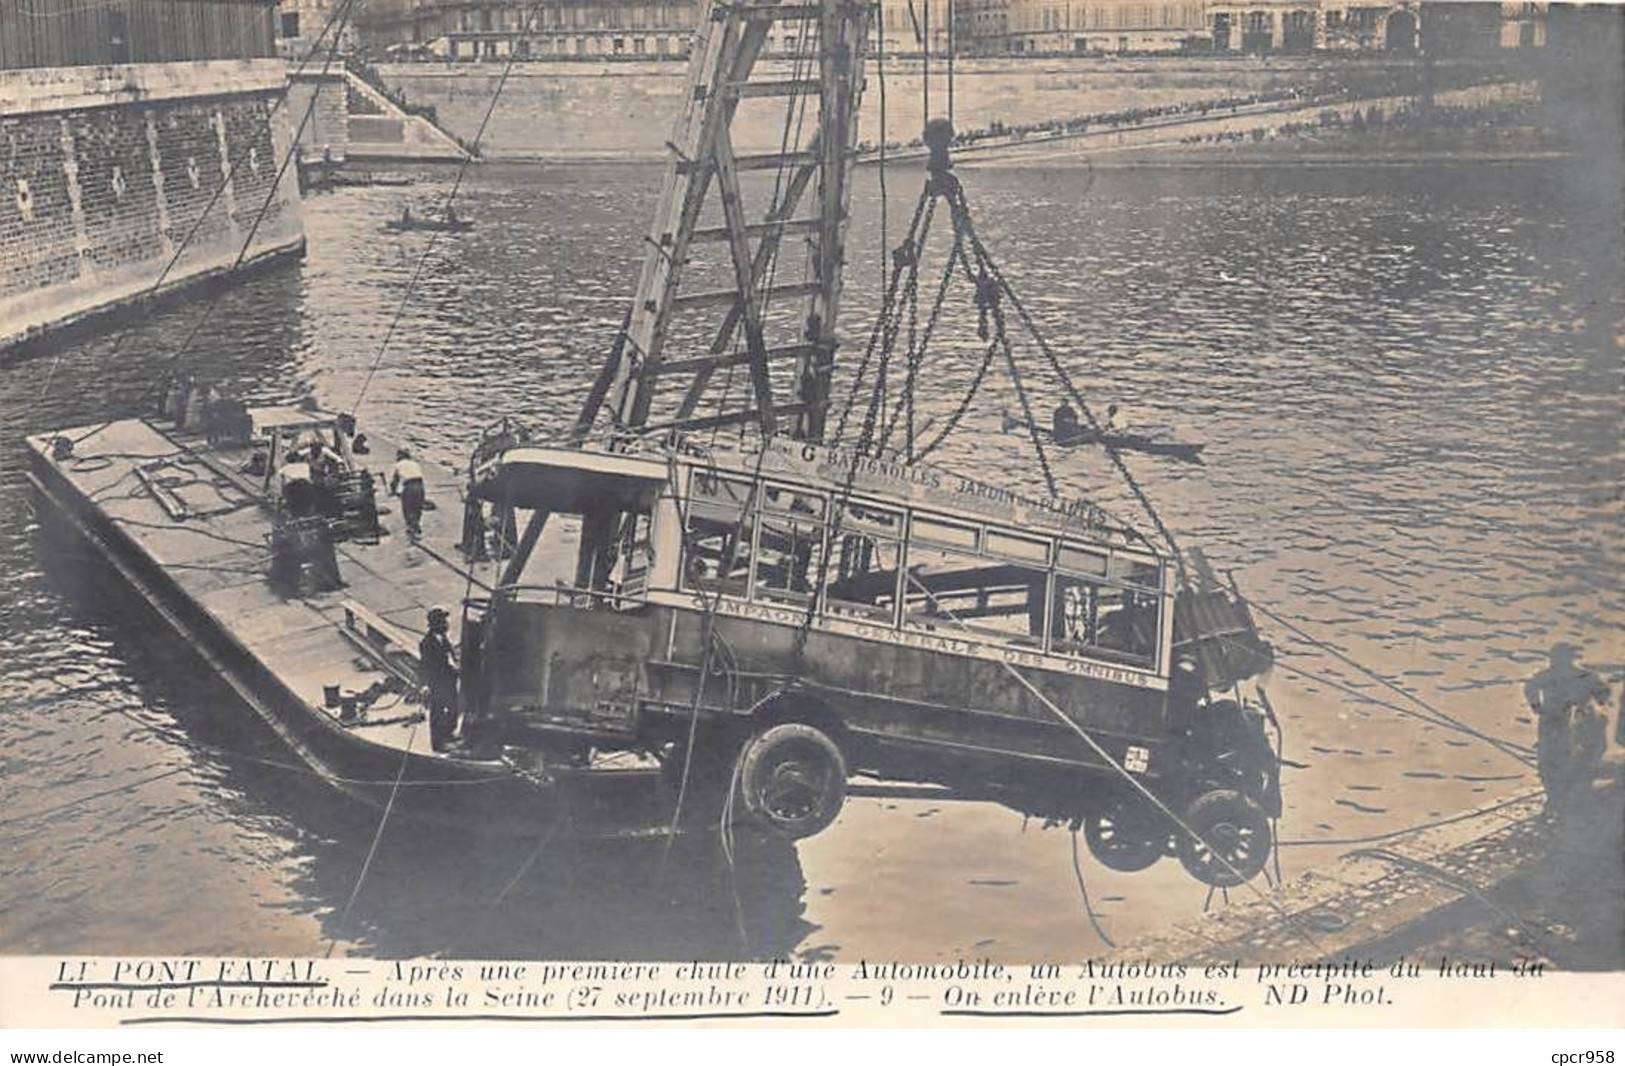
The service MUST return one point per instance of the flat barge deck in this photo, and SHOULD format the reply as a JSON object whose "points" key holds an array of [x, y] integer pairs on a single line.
{"points": [[200, 556]]}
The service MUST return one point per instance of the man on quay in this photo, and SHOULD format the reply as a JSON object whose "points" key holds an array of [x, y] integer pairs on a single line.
{"points": [[1561, 697]]}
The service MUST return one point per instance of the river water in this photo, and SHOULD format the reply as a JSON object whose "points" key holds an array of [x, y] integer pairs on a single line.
{"points": [[1407, 379]]}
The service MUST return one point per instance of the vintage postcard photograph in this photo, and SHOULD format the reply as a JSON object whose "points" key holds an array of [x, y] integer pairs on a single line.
{"points": [[816, 513]]}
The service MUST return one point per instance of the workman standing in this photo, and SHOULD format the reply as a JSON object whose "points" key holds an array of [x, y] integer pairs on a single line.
{"points": [[298, 492], [1064, 425], [1561, 696], [437, 670], [406, 481]]}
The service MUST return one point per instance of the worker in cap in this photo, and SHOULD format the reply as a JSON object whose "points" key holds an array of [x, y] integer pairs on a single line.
{"points": [[406, 481], [437, 670], [1567, 725]]}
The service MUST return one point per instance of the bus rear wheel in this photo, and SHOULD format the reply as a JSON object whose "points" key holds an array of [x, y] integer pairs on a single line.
{"points": [[1125, 838], [793, 778], [1235, 838]]}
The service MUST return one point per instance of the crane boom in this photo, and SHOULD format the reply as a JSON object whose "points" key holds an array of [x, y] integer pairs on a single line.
{"points": [[712, 274]]}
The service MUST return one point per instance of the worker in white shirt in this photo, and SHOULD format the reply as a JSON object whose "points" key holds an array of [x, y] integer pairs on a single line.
{"points": [[406, 481], [1116, 422], [298, 491]]}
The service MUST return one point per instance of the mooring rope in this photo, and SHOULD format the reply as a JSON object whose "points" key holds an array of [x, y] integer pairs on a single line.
{"points": [[1387, 683], [378, 835], [1083, 890]]}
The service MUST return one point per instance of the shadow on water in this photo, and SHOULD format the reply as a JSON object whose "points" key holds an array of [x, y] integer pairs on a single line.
{"points": [[427, 890], [439, 892]]}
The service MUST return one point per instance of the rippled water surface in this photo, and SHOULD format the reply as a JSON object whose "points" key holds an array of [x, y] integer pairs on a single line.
{"points": [[1408, 381]]}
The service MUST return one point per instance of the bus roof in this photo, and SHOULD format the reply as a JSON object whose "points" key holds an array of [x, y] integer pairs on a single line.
{"points": [[833, 469]]}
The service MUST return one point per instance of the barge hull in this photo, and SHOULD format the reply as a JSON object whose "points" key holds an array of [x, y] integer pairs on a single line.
{"points": [[205, 578]]}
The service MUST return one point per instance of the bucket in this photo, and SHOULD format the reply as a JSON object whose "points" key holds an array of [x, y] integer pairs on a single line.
{"points": [[330, 696], [347, 712]]}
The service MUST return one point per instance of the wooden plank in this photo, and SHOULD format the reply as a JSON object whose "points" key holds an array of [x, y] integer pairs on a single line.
{"points": [[732, 418], [745, 280], [721, 361], [724, 297], [760, 229], [776, 87]]}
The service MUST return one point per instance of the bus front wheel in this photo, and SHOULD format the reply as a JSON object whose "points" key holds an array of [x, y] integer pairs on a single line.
{"points": [[1232, 838], [793, 778]]}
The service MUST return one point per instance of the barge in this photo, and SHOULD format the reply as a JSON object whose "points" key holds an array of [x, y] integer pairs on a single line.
{"points": [[188, 530]]}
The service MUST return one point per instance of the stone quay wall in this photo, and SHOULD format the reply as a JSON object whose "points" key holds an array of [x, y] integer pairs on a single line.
{"points": [[105, 170], [626, 110]]}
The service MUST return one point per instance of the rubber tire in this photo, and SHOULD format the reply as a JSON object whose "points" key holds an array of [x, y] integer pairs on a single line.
{"points": [[1235, 825], [762, 776], [1118, 843]]}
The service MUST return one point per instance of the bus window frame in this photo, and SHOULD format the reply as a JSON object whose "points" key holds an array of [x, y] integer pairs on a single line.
{"points": [[748, 513], [1159, 592], [837, 512], [819, 521]]}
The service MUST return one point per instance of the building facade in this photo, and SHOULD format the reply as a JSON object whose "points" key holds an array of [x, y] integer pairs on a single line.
{"points": [[1051, 27], [133, 133], [313, 28], [464, 31]]}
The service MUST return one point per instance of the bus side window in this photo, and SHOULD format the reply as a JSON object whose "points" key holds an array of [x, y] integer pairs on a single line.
{"points": [[1091, 618], [634, 555], [959, 594], [788, 558], [716, 543], [865, 552]]}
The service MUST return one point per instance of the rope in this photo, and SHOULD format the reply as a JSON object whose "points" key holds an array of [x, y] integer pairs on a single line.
{"points": [[1452, 881], [451, 196], [525, 866], [265, 204], [905, 254], [1394, 834], [1517, 751], [378, 835], [885, 231], [1133, 781], [1503, 746], [16, 818], [231, 172], [1003, 286], [1083, 890]]}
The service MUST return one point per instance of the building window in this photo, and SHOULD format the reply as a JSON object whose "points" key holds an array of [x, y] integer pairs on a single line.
{"points": [[118, 34], [290, 24]]}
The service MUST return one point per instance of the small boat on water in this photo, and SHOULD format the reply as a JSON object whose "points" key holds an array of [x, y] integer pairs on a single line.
{"points": [[367, 178], [1187, 451], [409, 223]]}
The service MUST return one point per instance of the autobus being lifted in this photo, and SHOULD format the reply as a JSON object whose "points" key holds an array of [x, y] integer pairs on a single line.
{"points": [[774, 616]]}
